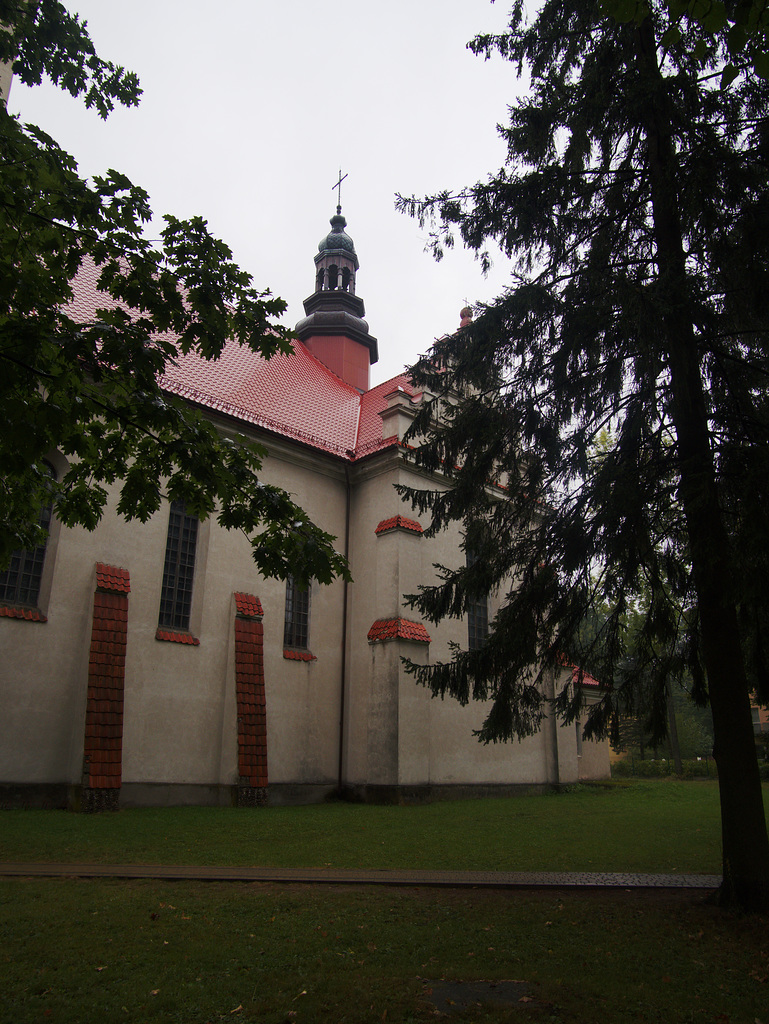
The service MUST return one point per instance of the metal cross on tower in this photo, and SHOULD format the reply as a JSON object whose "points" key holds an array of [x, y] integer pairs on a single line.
{"points": [[339, 193]]}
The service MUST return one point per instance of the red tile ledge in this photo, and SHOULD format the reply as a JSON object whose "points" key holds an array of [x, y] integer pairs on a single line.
{"points": [[298, 655], [177, 638], [10, 611], [397, 629], [248, 606], [587, 679], [112, 578], [398, 523]]}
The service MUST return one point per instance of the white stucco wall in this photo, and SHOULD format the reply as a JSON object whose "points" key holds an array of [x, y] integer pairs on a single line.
{"points": [[180, 718], [179, 711]]}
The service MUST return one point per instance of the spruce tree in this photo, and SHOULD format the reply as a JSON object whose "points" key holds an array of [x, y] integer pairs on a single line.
{"points": [[634, 208]]}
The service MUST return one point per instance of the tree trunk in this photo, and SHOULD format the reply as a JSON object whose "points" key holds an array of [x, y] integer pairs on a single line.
{"points": [[743, 825], [675, 747]]}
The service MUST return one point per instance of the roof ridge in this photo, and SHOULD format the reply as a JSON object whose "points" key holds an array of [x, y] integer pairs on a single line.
{"points": [[357, 425]]}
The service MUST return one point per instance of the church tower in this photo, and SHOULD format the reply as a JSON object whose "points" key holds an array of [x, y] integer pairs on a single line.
{"points": [[334, 329]]}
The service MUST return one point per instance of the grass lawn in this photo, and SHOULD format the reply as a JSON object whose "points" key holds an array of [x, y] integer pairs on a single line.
{"points": [[656, 826], [188, 952], [95, 951]]}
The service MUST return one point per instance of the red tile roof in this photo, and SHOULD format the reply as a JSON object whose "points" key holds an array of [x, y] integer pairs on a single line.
{"points": [[373, 402], [587, 679], [248, 606], [292, 395], [398, 629], [398, 523], [108, 577]]}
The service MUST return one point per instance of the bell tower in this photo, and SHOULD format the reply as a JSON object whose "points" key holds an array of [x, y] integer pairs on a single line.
{"points": [[334, 329]]}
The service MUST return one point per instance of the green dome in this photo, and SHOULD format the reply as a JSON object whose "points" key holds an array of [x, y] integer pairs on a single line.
{"points": [[337, 238]]}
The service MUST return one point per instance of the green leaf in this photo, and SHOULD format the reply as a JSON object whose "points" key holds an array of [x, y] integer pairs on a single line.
{"points": [[716, 18], [728, 75], [624, 11], [761, 64], [671, 37], [736, 40]]}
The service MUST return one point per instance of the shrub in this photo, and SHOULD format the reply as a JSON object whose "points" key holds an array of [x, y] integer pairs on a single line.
{"points": [[692, 768], [655, 768]]}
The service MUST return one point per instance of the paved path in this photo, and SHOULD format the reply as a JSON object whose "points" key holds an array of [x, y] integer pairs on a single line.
{"points": [[351, 876]]}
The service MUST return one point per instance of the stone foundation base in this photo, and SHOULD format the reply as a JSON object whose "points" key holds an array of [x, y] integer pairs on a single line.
{"points": [[180, 794], [93, 801], [133, 794], [433, 793], [251, 796], [46, 796]]}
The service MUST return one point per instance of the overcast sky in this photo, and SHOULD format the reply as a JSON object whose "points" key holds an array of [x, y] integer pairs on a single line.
{"points": [[248, 114]]}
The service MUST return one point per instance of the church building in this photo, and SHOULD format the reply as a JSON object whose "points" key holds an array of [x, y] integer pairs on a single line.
{"points": [[151, 664]]}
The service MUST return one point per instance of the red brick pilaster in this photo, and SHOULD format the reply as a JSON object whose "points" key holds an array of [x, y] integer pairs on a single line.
{"points": [[249, 688], [103, 744]]}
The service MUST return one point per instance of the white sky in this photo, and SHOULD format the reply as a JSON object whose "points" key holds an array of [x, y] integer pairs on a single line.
{"points": [[248, 114]]}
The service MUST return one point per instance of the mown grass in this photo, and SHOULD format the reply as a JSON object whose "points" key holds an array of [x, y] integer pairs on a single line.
{"points": [[663, 826], [194, 952]]}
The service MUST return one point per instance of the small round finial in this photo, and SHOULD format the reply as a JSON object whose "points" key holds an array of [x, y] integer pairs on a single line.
{"points": [[465, 316]]}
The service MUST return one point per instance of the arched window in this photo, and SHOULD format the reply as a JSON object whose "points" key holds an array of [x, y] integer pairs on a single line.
{"points": [[346, 279], [20, 582], [333, 276]]}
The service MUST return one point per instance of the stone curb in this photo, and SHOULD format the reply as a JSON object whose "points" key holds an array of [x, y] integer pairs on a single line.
{"points": [[340, 876]]}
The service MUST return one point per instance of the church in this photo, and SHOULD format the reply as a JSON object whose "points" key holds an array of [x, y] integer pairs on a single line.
{"points": [[150, 664]]}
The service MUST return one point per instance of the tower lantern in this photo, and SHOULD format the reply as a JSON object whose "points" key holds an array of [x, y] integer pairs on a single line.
{"points": [[334, 329]]}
